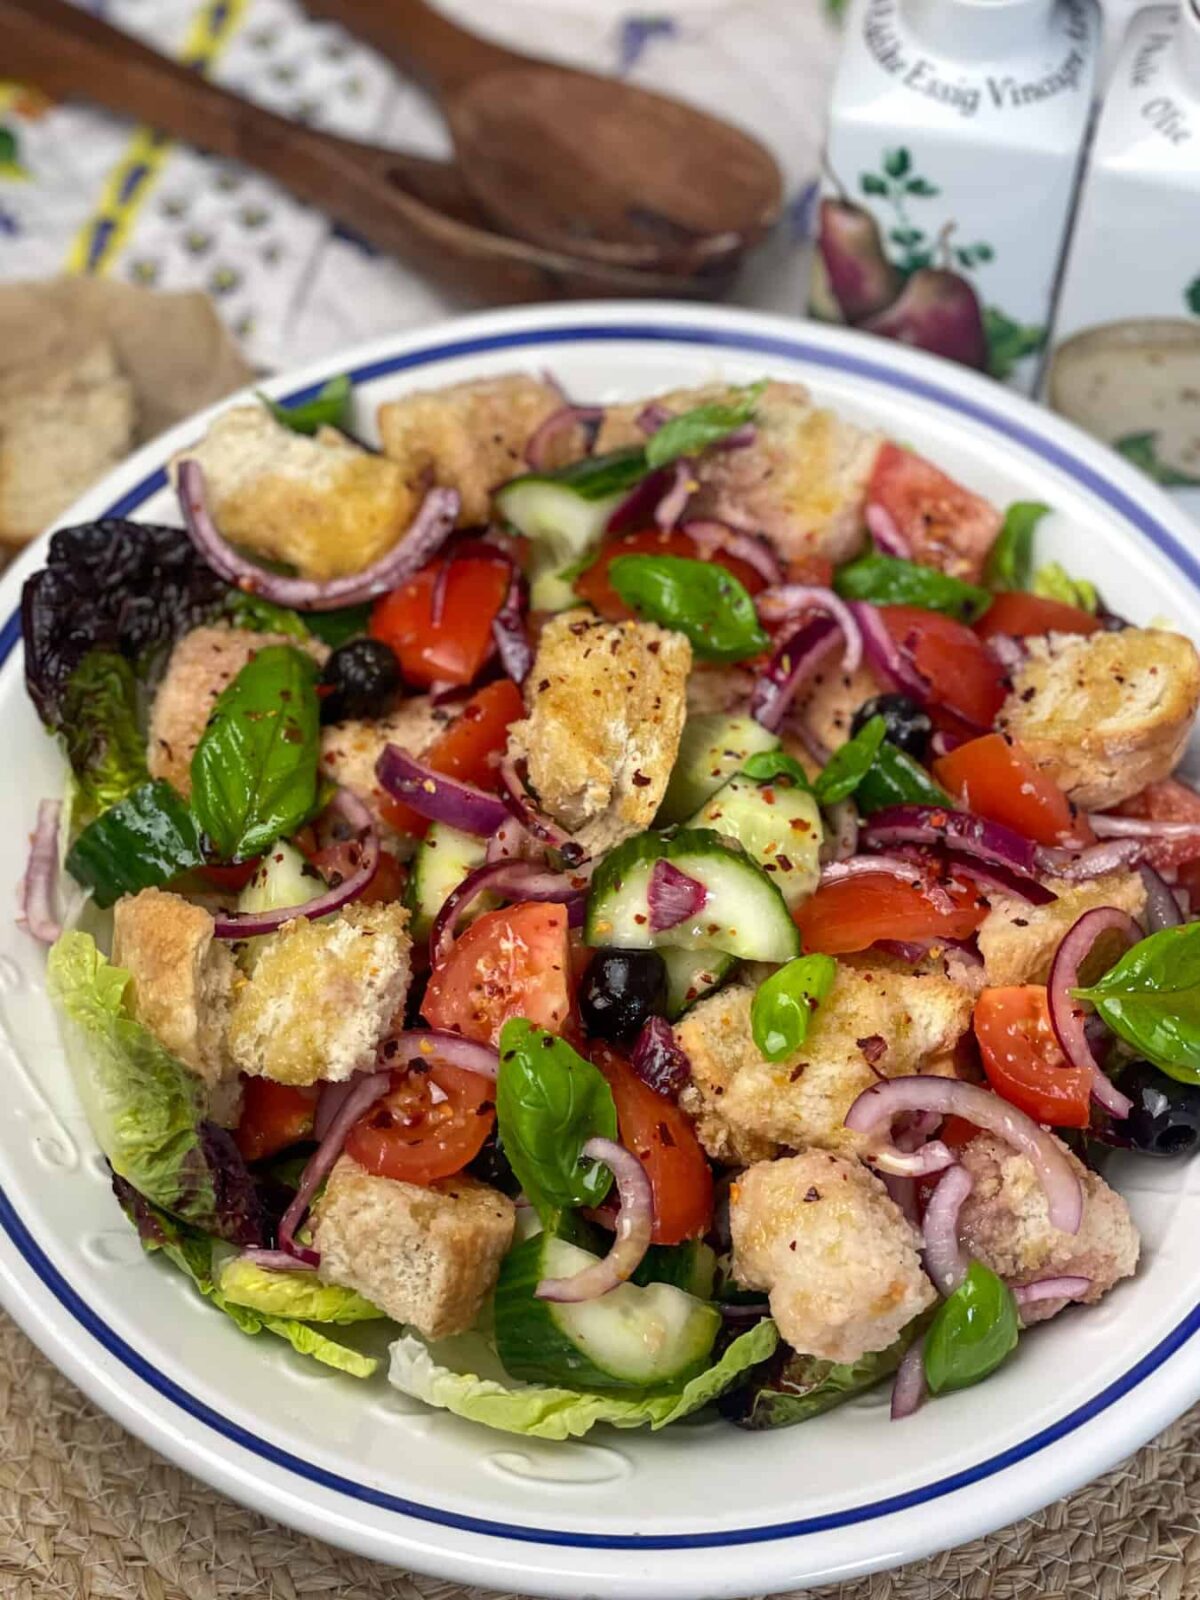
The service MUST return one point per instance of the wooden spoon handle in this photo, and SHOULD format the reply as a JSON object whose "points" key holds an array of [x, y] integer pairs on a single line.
{"points": [[419, 40]]}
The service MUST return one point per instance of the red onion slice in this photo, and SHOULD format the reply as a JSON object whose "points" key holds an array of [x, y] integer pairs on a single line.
{"points": [[909, 1388], [959, 830], [1068, 1016], [673, 896], [994, 876], [427, 1045], [1162, 908], [512, 880], [637, 509], [1067, 1287], [680, 488], [1007, 652], [276, 1261], [635, 1221], [537, 447], [434, 795], [792, 664], [38, 889], [882, 527], [885, 655], [509, 631], [792, 599], [659, 1060], [1093, 861], [709, 536], [863, 866], [368, 1087], [651, 417], [510, 842], [873, 1113], [428, 532], [1142, 828], [946, 1261], [516, 798]]}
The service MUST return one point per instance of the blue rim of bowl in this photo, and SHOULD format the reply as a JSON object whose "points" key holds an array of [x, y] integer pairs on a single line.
{"points": [[767, 345]]}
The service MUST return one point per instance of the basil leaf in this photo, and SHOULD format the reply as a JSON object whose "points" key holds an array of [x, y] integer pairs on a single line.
{"points": [[1054, 582], [1010, 560], [338, 627], [972, 1333], [765, 765], [850, 763], [895, 779], [1151, 999], [888, 581], [695, 430], [254, 773], [144, 840], [596, 478], [700, 600], [783, 1005], [328, 408], [549, 1103], [101, 730]]}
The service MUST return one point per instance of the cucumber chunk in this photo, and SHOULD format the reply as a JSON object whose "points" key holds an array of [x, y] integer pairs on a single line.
{"points": [[691, 1267], [691, 974], [283, 878], [712, 748], [566, 511], [443, 859], [777, 824]]}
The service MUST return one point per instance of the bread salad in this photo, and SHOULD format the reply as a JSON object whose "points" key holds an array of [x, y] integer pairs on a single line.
{"points": [[600, 910]]}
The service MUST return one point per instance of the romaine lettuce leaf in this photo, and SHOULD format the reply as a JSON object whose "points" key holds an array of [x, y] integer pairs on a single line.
{"points": [[291, 1294], [464, 1375], [792, 1387], [101, 732]]}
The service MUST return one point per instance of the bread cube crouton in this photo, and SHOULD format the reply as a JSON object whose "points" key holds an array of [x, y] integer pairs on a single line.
{"points": [[202, 664], [427, 1254], [182, 978], [349, 750], [827, 709], [875, 1022], [1005, 1223], [323, 996], [837, 1258], [1105, 714], [1018, 941], [606, 702], [470, 436]]}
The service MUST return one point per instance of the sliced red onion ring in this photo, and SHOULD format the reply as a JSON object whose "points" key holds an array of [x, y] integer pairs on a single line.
{"points": [[1142, 828], [253, 924], [439, 1044], [659, 1060], [710, 536], [1162, 908], [792, 664], [909, 1387], [276, 1260], [428, 532], [1068, 1287], [1093, 861], [635, 1220], [739, 438], [680, 488], [875, 1110], [673, 896], [941, 741], [886, 656], [510, 842], [791, 599], [946, 1261], [434, 795], [652, 417], [509, 631], [1068, 1016], [994, 876], [1009, 653], [882, 527], [368, 1087], [516, 798], [961, 831], [512, 880], [329, 1103], [864, 866], [39, 886], [537, 447], [637, 509]]}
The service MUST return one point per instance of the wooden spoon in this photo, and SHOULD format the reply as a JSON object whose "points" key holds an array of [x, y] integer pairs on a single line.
{"points": [[406, 205], [576, 162]]}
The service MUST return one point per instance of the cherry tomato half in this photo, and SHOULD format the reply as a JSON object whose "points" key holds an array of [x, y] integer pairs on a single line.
{"points": [[470, 748], [417, 1137], [965, 681], [1169, 801], [996, 779], [852, 913], [509, 963], [1024, 1061], [452, 648], [946, 525], [274, 1116], [1023, 614]]}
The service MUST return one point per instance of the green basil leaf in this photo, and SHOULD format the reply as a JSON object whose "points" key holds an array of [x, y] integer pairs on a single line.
{"points": [[328, 408], [972, 1333], [700, 600], [895, 779], [888, 581], [1010, 560], [783, 1005], [254, 773], [146, 839], [1151, 999], [1054, 582], [850, 763], [692, 432], [549, 1103], [765, 765], [338, 627], [102, 733]]}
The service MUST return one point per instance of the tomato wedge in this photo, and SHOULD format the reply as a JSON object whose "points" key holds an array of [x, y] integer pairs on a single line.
{"points": [[509, 963], [664, 1141], [964, 680], [274, 1116], [851, 914], [946, 525], [410, 1136], [1023, 614], [470, 748], [1169, 801], [593, 586], [994, 777], [1024, 1061], [453, 647]]}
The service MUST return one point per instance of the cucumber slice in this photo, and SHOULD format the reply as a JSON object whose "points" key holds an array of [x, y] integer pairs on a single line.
{"points": [[566, 511], [744, 915], [712, 748], [691, 1267], [777, 824], [630, 1338], [691, 974], [443, 859], [282, 878]]}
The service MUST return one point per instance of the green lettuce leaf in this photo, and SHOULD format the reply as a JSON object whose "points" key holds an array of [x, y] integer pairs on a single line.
{"points": [[792, 1388], [291, 1294], [464, 1375], [104, 741], [1053, 582]]}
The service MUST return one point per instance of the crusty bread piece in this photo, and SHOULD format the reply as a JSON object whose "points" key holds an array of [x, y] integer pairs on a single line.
{"points": [[203, 662], [325, 505], [827, 709], [182, 977], [606, 702], [1104, 714], [834, 1252], [1018, 941], [470, 436], [876, 1020], [323, 996], [349, 750], [427, 1254]]}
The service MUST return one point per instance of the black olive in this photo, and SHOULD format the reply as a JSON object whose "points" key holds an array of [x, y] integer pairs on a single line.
{"points": [[361, 677], [620, 989], [492, 1166], [1165, 1120], [908, 726]]}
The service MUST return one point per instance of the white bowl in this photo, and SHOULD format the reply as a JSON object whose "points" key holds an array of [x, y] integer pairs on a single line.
{"points": [[699, 1509]]}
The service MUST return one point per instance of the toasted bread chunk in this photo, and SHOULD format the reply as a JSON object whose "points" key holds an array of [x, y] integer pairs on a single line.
{"points": [[827, 710], [1018, 941], [835, 1254], [427, 1254], [349, 750], [470, 436], [606, 707], [322, 997], [875, 1022], [1105, 714], [324, 505]]}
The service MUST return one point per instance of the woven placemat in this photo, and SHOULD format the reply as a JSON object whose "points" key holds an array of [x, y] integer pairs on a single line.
{"points": [[89, 1513]]}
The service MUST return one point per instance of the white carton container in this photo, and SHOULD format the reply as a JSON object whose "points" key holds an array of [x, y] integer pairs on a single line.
{"points": [[1126, 362], [955, 136]]}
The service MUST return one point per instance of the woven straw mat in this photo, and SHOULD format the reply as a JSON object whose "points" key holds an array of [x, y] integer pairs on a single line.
{"points": [[88, 1513]]}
